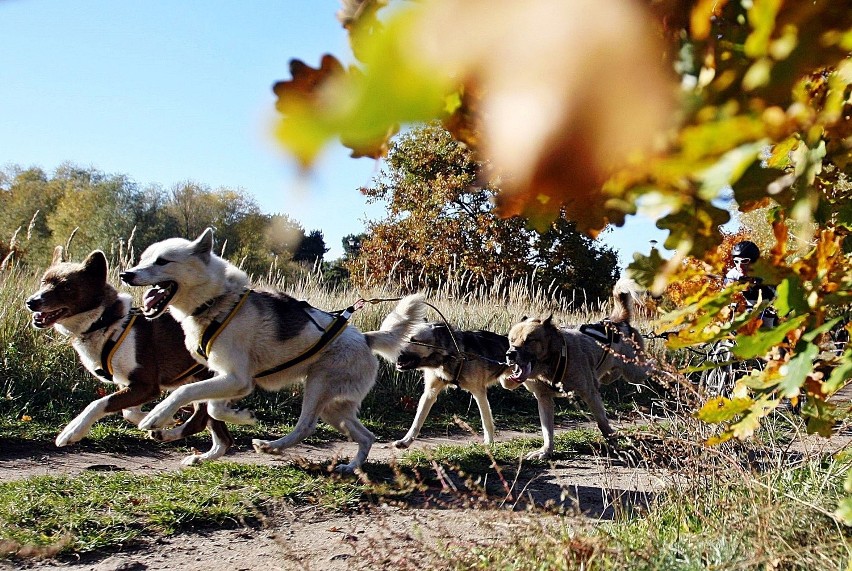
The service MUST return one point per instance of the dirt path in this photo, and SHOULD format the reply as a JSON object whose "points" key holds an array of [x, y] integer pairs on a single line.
{"points": [[310, 538], [383, 536]]}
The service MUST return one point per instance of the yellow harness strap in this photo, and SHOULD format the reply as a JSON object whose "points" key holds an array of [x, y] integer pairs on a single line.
{"points": [[212, 331], [110, 347]]}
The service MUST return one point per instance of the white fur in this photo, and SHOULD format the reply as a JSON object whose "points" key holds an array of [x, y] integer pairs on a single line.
{"points": [[335, 381]]}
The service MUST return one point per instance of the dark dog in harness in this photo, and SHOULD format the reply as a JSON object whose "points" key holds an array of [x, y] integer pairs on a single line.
{"points": [[471, 360]]}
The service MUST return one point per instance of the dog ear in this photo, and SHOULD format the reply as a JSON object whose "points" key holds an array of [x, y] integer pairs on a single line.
{"points": [[96, 264], [57, 256], [548, 320], [203, 245]]}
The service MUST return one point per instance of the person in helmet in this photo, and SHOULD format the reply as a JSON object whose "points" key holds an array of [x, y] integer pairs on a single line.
{"points": [[744, 254]]}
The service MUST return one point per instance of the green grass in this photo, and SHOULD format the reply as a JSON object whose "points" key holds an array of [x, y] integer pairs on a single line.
{"points": [[108, 510]]}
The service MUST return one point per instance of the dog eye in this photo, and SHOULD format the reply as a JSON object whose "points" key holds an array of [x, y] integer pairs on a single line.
{"points": [[161, 262]]}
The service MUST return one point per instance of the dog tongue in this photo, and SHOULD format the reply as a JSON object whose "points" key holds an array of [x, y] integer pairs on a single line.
{"points": [[153, 296]]}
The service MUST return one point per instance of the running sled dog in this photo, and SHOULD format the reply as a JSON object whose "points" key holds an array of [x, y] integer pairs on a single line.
{"points": [[266, 339], [116, 345], [471, 360], [550, 361]]}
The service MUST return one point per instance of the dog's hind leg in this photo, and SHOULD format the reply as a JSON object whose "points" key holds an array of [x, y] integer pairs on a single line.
{"points": [[133, 414], [480, 395], [592, 397], [343, 415], [222, 441], [305, 426], [222, 410], [194, 424], [432, 386]]}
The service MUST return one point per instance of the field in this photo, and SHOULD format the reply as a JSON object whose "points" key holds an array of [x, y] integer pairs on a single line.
{"points": [[657, 498]]}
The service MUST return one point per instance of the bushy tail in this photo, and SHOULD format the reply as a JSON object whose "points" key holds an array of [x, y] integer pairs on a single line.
{"points": [[398, 327], [625, 294]]}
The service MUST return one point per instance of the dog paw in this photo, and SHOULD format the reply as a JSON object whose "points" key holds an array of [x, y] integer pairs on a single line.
{"points": [[542, 454], [263, 447], [70, 435], [401, 444], [193, 460], [156, 420], [345, 469], [245, 416]]}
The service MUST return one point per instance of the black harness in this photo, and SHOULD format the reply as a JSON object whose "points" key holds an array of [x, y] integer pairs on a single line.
{"points": [[329, 333]]}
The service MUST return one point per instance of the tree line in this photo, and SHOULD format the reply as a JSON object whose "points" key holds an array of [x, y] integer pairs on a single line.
{"points": [[440, 225], [85, 209]]}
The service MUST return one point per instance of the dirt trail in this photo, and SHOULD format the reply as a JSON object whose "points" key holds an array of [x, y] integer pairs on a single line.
{"points": [[310, 538], [382, 537]]}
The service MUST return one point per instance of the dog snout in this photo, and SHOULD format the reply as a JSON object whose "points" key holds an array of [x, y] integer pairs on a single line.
{"points": [[33, 302], [127, 277]]}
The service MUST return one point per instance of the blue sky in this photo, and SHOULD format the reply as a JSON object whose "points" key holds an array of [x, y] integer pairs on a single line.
{"points": [[168, 91]]}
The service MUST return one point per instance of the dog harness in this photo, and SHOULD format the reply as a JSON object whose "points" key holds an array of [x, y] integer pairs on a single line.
{"points": [[112, 344], [329, 333], [106, 372], [604, 332]]}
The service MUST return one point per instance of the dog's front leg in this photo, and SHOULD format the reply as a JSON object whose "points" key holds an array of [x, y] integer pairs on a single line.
{"points": [[432, 386], [126, 398], [544, 398], [222, 387]]}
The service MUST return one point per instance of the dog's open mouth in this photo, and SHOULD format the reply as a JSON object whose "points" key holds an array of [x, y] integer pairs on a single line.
{"points": [[406, 362], [44, 319], [520, 373], [156, 300]]}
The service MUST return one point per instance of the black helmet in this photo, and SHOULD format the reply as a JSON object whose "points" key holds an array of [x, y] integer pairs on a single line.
{"points": [[745, 249]]}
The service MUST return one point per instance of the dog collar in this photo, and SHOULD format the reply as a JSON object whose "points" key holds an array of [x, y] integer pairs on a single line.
{"points": [[110, 315], [561, 364]]}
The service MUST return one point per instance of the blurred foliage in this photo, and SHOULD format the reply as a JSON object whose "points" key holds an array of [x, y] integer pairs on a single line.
{"points": [[762, 108]]}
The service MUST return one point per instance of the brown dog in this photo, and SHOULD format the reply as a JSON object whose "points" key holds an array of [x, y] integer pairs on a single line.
{"points": [[550, 361], [142, 357]]}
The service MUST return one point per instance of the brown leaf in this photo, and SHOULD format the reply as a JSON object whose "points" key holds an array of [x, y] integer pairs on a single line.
{"points": [[306, 83], [570, 91]]}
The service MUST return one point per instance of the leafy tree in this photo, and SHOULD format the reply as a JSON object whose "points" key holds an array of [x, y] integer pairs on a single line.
{"points": [[311, 249], [440, 217], [574, 261]]}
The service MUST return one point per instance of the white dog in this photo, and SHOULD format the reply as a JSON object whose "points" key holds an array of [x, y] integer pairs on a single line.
{"points": [[264, 338]]}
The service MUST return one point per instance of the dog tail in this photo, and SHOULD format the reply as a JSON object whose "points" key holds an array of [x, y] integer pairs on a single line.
{"points": [[397, 327], [625, 294]]}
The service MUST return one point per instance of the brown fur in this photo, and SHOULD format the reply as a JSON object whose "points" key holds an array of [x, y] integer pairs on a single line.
{"points": [[535, 349], [75, 298]]}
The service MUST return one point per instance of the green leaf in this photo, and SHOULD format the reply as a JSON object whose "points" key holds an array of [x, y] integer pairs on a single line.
{"points": [[790, 297], [721, 409], [758, 344], [798, 370], [839, 376], [729, 169]]}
